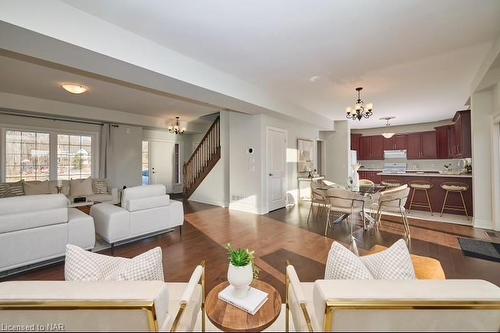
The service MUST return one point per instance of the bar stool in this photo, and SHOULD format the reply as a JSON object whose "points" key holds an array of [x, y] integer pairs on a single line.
{"points": [[454, 187], [420, 186], [366, 182], [390, 183]]}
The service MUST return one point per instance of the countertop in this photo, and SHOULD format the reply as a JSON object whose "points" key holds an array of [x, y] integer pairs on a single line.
{"points": [[415, 174]]}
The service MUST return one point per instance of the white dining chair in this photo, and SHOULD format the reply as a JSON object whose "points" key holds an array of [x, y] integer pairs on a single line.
{"points": [[345, 204], [393, 200], [318, 198]]}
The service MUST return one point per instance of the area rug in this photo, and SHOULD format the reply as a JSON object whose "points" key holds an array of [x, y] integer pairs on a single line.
{"points": [[480, 249]]}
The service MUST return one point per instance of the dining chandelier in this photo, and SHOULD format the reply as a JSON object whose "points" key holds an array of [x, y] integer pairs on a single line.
{"points": [[360, 110], [176, 128]]}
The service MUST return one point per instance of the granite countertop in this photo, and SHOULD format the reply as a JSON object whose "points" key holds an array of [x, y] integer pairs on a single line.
{"points": [[424, 174]]}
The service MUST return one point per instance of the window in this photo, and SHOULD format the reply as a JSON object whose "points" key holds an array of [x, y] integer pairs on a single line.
{"points": [[145, 162], [74, 156], [26, 156]]}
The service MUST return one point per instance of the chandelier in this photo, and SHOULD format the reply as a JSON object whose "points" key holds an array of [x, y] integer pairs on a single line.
{"points": [[360, 110], [387, 134], [175, 127]]}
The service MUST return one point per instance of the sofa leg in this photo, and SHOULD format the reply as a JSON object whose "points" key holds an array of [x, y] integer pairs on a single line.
{"points": [[180, 230]]}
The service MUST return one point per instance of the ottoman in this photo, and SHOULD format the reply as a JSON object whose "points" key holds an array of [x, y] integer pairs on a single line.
{"points": [[112, 223]]}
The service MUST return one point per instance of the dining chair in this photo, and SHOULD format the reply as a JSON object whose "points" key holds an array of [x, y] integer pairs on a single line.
{"points": [[346, 204], [393, 200], [366, 182], [318, 198]]}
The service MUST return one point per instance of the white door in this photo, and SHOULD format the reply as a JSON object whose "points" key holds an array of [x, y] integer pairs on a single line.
{"points": [[276, 168], [162, 159]]}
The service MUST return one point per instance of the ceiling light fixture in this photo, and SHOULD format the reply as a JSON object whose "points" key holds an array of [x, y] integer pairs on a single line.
{"points": [[360, 110], [387, 135], [175, 127], [74, 88]]}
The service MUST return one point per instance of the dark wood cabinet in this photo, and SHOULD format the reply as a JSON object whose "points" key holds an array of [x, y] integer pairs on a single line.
{"points": [[442, 139], [462, 135], [355, 142], [397, 142], [371, 147], [428, 145], [422, 146], [371, 175]]}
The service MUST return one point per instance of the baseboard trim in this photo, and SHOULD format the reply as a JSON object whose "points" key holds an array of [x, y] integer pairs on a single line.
{"points": [[209, 202]]}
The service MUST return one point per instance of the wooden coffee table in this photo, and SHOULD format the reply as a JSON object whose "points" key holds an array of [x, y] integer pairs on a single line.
{"points": [[229, 318]]}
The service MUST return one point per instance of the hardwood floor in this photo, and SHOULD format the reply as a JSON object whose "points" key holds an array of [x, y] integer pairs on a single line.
{"points": [[285, 235]]}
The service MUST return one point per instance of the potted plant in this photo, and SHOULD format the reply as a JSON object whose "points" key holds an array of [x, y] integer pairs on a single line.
{"points": [[241, 271]]}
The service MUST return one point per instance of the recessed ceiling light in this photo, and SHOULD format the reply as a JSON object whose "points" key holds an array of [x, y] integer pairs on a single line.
{"points": [[74, 88], [314, 78]]}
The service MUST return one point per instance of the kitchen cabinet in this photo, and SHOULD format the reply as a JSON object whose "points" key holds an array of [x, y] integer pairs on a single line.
{"points": [[422, 145], [461, 143], [442, 142], [397, 142], [355, 142], [371, 147], [371, 175]]}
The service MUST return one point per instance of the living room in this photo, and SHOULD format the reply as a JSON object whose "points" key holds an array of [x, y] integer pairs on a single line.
{"points": [[160, 171]]}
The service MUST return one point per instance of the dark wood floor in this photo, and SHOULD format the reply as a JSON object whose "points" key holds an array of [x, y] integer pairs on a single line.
{"points": [[284, 235]]}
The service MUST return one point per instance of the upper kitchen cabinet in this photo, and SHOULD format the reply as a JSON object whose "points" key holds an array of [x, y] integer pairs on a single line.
{"points": [[422, 146], [371, 147], [461, 145], [397, 142], [442, 141], [355, 142]]}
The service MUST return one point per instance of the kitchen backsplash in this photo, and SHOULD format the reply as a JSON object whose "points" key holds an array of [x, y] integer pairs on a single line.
{"points": [[415, 165]]}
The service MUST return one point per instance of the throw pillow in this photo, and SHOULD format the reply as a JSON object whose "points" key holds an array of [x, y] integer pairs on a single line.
{"points": [[100, 186], [81, 187], [36, 187], [83, 265], [342, 264], [16, 189], [393, 263]]}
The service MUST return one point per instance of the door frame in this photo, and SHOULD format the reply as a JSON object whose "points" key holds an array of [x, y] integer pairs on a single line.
{"points": [[266, 173], [181, 159]]}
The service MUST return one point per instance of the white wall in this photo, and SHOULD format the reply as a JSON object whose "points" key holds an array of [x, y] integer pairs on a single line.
{"points": [[126, 156], [338, 145]]}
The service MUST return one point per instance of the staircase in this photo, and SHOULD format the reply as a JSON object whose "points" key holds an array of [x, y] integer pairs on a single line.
{"points": [[202, 160]]}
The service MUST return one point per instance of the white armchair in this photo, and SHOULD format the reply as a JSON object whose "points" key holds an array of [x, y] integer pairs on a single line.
{"points": [[397, 305], [103, 305]]}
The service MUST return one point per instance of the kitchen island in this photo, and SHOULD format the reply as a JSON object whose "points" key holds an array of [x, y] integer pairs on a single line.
{"points": [[436, 194]]}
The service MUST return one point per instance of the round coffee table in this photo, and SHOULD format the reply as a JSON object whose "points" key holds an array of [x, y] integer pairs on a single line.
{"points": [[229, 318]]}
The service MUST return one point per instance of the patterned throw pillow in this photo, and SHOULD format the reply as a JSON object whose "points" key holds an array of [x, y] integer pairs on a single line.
{"points": [[83, 265], [16, 189], [342, 264], [100, 186], [392, 264]]}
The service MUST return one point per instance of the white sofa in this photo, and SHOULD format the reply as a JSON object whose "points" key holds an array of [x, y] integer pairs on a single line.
{"points": [[144, 210], [35, 228], [398, 305], [103, 305], [50, 187]]}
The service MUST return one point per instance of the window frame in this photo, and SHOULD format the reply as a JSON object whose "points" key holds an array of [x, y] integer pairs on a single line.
{"points": [[92, 147], [53, 132]]}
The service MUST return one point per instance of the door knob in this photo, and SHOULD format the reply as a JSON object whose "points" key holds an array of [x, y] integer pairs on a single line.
{"points": [[270, 175]]}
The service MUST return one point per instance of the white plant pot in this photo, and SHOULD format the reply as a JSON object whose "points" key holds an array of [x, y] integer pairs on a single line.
{"points": [[240, 278]]}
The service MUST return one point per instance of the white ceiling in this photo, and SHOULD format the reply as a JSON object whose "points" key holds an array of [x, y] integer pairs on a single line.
{"points": [[41, 80], [415, 58]]}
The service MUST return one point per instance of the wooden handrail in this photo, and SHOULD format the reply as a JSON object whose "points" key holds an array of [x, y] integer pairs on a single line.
{"points": [[203, 159]]}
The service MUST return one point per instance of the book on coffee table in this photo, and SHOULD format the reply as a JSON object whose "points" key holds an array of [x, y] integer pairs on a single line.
{"points": [[251, 304]]}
